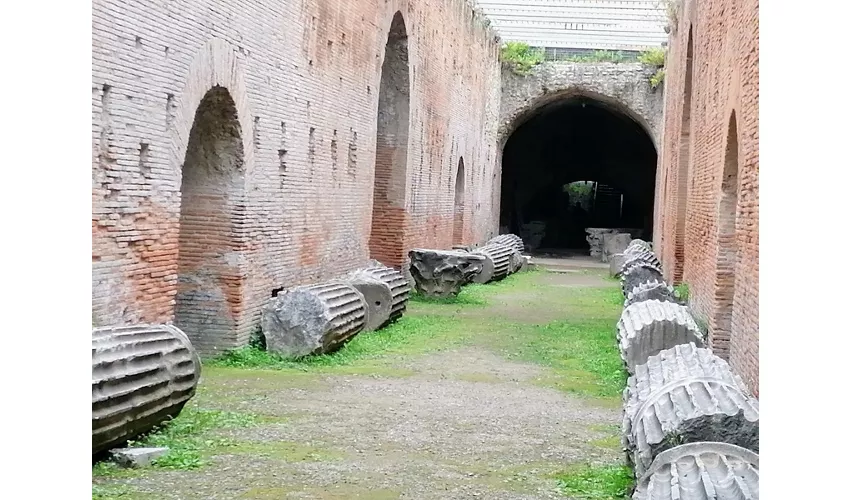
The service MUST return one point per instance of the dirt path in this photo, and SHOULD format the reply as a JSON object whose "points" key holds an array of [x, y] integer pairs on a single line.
{"points": [[486, 408]]}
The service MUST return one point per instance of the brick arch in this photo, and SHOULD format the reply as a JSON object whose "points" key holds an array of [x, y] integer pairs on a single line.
{"points": [[391, 179], [215, 64], [212, 263], [514, 118]]}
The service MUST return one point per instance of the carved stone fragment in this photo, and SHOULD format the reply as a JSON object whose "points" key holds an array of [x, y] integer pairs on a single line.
{"points": [[442, 273], [142, 375]]}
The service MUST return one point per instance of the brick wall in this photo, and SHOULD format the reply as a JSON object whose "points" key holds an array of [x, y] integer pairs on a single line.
{"points": [[708, 174], [275, 180]]}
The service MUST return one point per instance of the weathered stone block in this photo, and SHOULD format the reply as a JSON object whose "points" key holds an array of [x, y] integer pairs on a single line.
{"points": [[685, 395], [614, 243], [442, 273], [641, 255], [142, 375], [615, 264], [378, 296], [497, 262], [649, 327], [399, 284], [136, 457], [639, 272], [652, 290], [699, 471], [314, 319]]}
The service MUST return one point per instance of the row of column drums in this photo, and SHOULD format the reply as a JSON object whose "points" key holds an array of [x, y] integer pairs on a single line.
{"points": [[143, 375], [690, 426]]}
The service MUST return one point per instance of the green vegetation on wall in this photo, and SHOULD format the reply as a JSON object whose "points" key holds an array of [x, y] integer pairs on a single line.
{"points": [[657, 58], [598, 56], [520, 57]]}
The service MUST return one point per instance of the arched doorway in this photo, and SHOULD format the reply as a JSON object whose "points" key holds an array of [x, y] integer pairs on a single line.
{"points": [[386, 240], [727, 244], [577, 138], [209, 285], [460, 188]]}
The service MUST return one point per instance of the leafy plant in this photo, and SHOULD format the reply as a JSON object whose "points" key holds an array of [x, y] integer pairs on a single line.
{"points": [[653, 57], [520, 57], [682, 291], [657, 79]]}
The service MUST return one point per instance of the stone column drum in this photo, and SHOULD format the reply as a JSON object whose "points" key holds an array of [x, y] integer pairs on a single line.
{"points": [[141, 376], [652, 290], [315, 319], [510, 240], [700, 471], [639, 272], [497, 262], [685, 395], [649, 327], [378, 297], [399, 287], [637, 244]]}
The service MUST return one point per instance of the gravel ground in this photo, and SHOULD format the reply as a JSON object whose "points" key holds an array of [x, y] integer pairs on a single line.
{"points": [[455, 424]]}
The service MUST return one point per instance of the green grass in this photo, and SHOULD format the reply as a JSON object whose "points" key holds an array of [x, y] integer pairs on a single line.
{"points": [[187, 438], [582, 354], [607, 482], [408, 334]]}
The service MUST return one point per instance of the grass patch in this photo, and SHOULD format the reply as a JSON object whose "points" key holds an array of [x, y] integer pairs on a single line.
{"points": [[608, 482], [464, 298], [408, 334], [287, 451], [187, 438], [581, 350], [111, 491]]}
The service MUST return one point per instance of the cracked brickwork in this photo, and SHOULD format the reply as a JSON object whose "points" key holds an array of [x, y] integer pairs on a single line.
{"points": [[290, 91], [707, 195]]}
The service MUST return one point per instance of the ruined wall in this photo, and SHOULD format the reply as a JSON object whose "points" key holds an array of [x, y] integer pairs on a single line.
{"points": [[708, 174], [278, 182], [624, 86]]}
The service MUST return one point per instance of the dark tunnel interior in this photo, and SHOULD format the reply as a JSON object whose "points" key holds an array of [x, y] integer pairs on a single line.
{"points": [[548, 156]]}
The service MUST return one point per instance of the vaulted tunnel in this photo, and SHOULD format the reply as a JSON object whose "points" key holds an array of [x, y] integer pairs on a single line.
{"points": [[576, 163]]}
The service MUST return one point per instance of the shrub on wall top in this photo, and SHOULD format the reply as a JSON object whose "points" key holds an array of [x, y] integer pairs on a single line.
{"points": [[520, 57]]}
